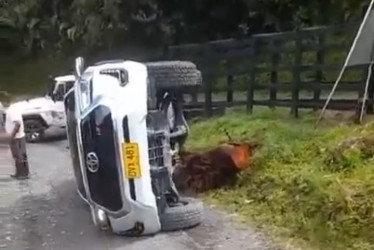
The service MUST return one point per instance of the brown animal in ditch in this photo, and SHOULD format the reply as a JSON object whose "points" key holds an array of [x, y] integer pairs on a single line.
{"points": [[215, 168]]}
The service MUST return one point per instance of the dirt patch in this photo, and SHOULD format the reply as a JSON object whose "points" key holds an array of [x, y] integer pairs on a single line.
{"points": [[214, 168]]}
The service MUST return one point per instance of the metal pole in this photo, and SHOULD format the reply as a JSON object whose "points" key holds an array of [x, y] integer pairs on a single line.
{"points": [[366, 91], [345, 63], [367, 84]]}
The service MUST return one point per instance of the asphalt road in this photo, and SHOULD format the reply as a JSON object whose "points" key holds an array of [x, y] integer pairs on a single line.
{"points": [[45, 212]]}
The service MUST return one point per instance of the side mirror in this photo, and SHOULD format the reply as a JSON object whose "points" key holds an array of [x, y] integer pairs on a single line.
{"points": [[79, 66]]}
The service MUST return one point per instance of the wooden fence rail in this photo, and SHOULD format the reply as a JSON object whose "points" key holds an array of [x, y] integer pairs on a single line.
{"points": [[290, 63]]}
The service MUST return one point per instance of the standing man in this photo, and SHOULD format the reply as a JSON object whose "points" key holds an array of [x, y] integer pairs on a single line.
{"points": [[15, 133]]}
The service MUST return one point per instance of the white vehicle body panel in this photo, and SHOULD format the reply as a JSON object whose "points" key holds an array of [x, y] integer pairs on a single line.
{"points": [[67, 78], [52, 112], [46, 108]]}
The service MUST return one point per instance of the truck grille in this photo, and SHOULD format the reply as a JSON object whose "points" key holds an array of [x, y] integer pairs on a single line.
{"points": [[156, 143]]}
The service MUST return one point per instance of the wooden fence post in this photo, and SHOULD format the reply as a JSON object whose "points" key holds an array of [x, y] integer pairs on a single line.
{"points": [[252, 78], [208, 96], [319, 73], [194, 96], [296, 75], [166, 52], [274, 74], [230, 89]]}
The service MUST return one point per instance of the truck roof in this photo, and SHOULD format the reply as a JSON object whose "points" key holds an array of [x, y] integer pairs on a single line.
{"points": [[109, 62], [65, 78], [128, 64]]}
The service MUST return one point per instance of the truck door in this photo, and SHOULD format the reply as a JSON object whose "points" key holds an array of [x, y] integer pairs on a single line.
{"points": [[58, 96]]}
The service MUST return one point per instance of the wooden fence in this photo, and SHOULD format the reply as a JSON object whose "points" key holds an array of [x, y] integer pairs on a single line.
{"points": [[291, 69]]}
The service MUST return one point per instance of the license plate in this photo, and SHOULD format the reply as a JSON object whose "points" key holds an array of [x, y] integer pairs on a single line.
{"points": [[131, 160]]}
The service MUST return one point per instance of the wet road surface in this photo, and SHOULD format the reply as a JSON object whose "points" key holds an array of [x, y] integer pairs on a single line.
{"points": [[45, 212]]}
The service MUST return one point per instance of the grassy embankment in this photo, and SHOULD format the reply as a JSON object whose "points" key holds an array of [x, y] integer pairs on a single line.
{"points": [[313, 188]]}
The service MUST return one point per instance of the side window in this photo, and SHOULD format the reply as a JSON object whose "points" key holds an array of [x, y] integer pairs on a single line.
{"points": [[68, 86], [60, 92], [70, 103]]}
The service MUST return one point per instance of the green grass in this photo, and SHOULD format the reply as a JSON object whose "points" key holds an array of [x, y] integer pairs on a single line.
{"points": [[313, 187]]}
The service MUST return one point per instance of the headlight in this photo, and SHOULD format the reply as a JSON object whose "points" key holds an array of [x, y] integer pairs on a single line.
{"points": [[85, 96], [101, 215], [121, 74], [54, 114]]}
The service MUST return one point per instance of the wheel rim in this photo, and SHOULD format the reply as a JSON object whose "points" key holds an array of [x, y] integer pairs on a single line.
{"points": [[32, 133]]}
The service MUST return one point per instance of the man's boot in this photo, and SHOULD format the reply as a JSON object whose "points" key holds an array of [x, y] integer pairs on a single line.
{"points": [[24, 170], [18, 171]]}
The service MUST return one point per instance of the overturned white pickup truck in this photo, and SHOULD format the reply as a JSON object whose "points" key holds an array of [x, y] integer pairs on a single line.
{"points": [[45, 112], [125, 127]]}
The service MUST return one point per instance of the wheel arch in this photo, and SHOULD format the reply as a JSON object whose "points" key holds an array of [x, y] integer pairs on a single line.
{"points": [[35, 117]]}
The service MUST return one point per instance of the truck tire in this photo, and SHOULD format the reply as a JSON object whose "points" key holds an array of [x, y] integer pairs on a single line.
{"points": [[34, 130], [187, 215], [174, 74]]}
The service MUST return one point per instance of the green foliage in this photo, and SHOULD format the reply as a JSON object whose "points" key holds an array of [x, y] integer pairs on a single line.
{"points": [[314, 186], [35, 25], [30, 76]]}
